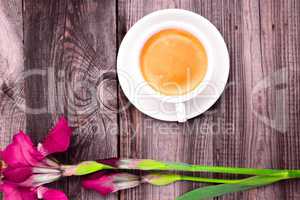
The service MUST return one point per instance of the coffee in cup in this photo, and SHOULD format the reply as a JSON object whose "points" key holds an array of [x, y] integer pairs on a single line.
{"points": [[173, 62]]}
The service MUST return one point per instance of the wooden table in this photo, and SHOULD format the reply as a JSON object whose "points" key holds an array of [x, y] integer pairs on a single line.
{"points": [[59, 58]]}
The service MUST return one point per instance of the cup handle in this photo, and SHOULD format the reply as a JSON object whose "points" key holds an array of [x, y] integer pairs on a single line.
{"points": [[181, 112]]}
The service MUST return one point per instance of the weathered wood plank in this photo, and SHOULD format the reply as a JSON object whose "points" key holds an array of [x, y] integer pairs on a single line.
{"points": [[70, 51], [11, 41], [89, 66], [43, 25], [12, 101], [12, 116], [72, 44], [259, 141], [280, 29]]}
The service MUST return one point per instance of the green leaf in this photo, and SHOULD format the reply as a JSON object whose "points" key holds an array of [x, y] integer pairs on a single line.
{"points": [[219, 190]]}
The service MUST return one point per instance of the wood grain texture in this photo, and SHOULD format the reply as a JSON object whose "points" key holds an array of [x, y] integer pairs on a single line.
{"points": [[250, 125], [67, 63], [70, 52], [280, 44], [12, 99], [89, 60]]}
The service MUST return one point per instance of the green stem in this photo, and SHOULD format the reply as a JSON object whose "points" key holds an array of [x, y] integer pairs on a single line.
{"points": [[168, 166], [167, 179], [227, 170], [207, 180], [232, 170]]}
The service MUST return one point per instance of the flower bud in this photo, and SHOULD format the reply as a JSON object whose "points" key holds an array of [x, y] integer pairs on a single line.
{"points": [[161, 179], [84, 168], [141, 164], [106, 183]]}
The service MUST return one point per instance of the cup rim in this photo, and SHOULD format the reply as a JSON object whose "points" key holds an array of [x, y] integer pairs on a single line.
{"points": [[181, 26]]}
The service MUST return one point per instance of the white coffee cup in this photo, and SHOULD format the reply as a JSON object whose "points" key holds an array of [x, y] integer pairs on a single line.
{"points": [[178, 101], [139, 92]]}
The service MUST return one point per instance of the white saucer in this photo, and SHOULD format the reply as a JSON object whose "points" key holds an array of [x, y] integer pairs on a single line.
{"points": [[152, 106]]}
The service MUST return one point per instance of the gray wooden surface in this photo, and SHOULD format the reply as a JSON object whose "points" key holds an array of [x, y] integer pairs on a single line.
{"points": [[59, 58]]}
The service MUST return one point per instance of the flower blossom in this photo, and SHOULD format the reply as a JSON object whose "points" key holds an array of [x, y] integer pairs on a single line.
{"points": [[26, 168]]}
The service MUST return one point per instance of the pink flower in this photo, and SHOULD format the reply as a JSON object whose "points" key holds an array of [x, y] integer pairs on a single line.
{"points": [[107, 183], [26, 168], [12, 191]]}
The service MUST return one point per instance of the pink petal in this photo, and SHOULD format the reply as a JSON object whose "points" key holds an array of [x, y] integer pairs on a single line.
{"points": [[17, 175], [50, 194], [13, 192], [21, 152], [58, 139], [99, 182]]}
